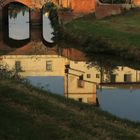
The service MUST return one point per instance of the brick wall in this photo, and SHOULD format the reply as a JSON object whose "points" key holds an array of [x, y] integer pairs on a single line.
{"points": [[104, 10], [80, 6], [83, 6]]}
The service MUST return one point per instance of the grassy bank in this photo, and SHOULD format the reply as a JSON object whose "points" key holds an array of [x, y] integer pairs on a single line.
{"points": [[119, 33], [27, 113]]}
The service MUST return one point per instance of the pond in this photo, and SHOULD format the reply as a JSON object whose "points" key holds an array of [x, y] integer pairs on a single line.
{"points": [[66, 71]]}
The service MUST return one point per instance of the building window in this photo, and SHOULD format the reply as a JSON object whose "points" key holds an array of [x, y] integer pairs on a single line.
{"points": [[88, 75], [80, 99], [97, 75], [49, 65], [18, 66], [127, 78], [80, 83], [113, 78], [76, 62]]}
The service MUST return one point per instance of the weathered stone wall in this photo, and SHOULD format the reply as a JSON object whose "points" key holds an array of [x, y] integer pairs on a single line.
{"points": [[104, 10]]}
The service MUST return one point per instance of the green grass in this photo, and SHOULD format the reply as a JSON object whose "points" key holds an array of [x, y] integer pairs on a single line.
{"points": [[122, 30], [27, 113]]}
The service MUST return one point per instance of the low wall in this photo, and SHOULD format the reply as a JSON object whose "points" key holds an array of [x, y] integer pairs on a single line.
{"points": [[104, 10]]}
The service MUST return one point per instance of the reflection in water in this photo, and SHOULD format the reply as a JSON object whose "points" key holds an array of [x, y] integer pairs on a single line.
{"points": [[18, 16], [121, 102], [46, 67], [54, 84], [111, 66]]}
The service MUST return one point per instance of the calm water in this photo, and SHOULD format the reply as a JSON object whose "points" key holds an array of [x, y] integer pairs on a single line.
{"points": [[54, 84], [122, 102]]}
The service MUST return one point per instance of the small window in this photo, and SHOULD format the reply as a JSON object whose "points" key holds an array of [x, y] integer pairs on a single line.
{"points": [[80, 99], [80, 83], [76, 62], [18, 66], [88, 75], [97, 75], [49, 65], [127, 78], [113, 78]]}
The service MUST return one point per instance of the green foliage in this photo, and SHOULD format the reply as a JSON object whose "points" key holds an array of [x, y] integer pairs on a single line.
{"points": [[116, 35], [6, 73], [52, 10], [49, 6], [15, 8]]}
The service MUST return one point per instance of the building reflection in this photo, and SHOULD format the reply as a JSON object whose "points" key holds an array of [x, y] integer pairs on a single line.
{"points": [[79, 81], [36, 60]]}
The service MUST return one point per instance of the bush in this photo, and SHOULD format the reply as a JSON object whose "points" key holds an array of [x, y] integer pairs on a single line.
{"points": [[6, 73]]}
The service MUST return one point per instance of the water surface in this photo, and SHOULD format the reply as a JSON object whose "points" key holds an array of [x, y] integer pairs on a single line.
{"points": [[121, 102]]}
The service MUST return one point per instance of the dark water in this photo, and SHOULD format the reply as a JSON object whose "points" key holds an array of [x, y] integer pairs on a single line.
{"points": [[122, 100]]}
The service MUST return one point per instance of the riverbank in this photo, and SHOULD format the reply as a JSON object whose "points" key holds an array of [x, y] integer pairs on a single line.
{"points": [[116, 34], [29, 113]]}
